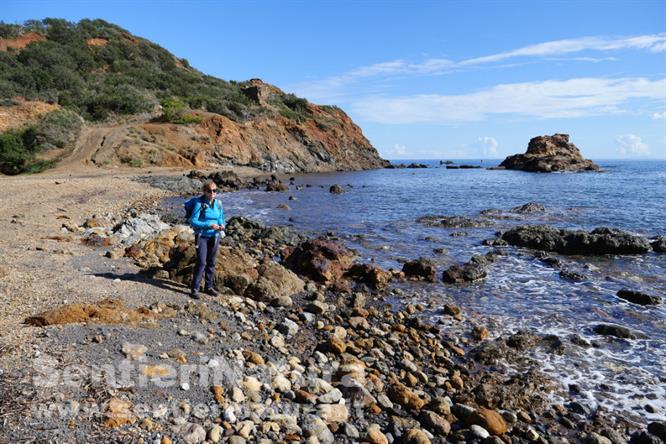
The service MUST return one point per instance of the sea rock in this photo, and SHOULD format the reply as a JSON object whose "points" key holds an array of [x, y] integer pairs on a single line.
{"points": [[321, 260], [658, 429], [336, 189], [454, 222], [421, 268], [618, 331], [659, 244], [467, 272], [275, 285], [637, 297], [598, 241], [371, 275], [550, 153], [528, 208], [274, 184]]}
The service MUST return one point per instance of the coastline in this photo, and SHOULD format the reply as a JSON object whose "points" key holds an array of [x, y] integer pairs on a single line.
{"points": [[52, 271]]}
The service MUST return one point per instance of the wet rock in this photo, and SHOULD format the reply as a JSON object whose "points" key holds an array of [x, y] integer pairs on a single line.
{"points": [[550, 153], [336, 189], [421, 268], [371, 275], [645, 438], [274, 184], [454, 222], [659, 244], [573, 276], [598, 241], [321, 260], [467, 272], [658, 429], [637, 297], [529, 208], [618, 331]]}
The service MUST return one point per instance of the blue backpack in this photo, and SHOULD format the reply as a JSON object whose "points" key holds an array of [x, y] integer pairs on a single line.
{"points": [[189, 206]]}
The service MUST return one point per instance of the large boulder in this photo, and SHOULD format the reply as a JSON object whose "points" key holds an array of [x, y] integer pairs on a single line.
{"points": [[550, 153], [371, 275], [275, 284], [598, 241], [321, 260]]}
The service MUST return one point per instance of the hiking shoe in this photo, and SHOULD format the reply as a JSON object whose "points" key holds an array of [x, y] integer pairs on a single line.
{"points": [[212, 292], [194, 294]]}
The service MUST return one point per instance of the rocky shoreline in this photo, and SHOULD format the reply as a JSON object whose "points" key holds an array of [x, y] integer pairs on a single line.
{"points": [[310, 346]]}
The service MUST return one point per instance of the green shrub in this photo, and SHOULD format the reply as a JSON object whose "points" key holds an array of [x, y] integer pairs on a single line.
{"points": [[175, 110], [13, 154]]}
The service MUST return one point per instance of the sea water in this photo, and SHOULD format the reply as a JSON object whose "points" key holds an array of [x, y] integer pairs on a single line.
{"points": [[377, 216]]}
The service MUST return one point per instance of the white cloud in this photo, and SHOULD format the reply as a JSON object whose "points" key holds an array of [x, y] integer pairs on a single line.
{"points": [[399, 150], [548, 99], [332, 88], [488, 146], [632, 145], [659, 116], [654, 43]]}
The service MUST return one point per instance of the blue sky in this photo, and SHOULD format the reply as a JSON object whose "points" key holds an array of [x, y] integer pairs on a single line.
{"points": [[430, 79]]}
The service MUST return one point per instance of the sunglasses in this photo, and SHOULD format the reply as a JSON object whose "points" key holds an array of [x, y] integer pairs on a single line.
{"points": [[212, 191]]}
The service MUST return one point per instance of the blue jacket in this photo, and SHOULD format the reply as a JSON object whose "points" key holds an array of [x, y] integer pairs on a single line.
{"points": [[204, 215]]}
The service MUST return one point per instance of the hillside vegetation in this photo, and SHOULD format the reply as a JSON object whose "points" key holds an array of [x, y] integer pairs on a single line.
{"points": [[96, 71]]}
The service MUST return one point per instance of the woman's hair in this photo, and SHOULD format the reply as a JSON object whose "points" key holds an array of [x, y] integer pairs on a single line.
{"points": [[208, 185]]}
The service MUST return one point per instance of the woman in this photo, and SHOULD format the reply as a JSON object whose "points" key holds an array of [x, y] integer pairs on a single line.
{"points": [[207, 219]]}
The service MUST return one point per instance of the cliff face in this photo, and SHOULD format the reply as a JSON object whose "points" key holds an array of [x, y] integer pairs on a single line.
{"points": [[272, 143], [143, 106], [550, 153]]}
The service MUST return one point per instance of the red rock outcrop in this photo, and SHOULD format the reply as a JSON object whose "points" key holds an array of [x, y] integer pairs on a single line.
{"points": [[550, 153]]}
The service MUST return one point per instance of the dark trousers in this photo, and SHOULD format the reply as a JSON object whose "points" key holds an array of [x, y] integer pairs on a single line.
{"points": [[206, 255]]}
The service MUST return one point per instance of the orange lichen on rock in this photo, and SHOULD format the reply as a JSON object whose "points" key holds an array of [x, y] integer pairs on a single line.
{"points": [[21, 41], [107, 311]]}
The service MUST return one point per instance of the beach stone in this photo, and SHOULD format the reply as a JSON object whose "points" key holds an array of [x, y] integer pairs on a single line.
{"points": [[251, 384], [375, 435], [281, 384], [192, 433], [134, 352], [479, 432], [253, 357], [118, 412], [637, 297], [350, 430], [594, 438], [490, 420], [435, 423], [416, 436], [316, 427], [215, 434], [333, 345], [400, 394], [237, 395], [331, 397], [317, 307], [333, 413], [288, 327]]}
